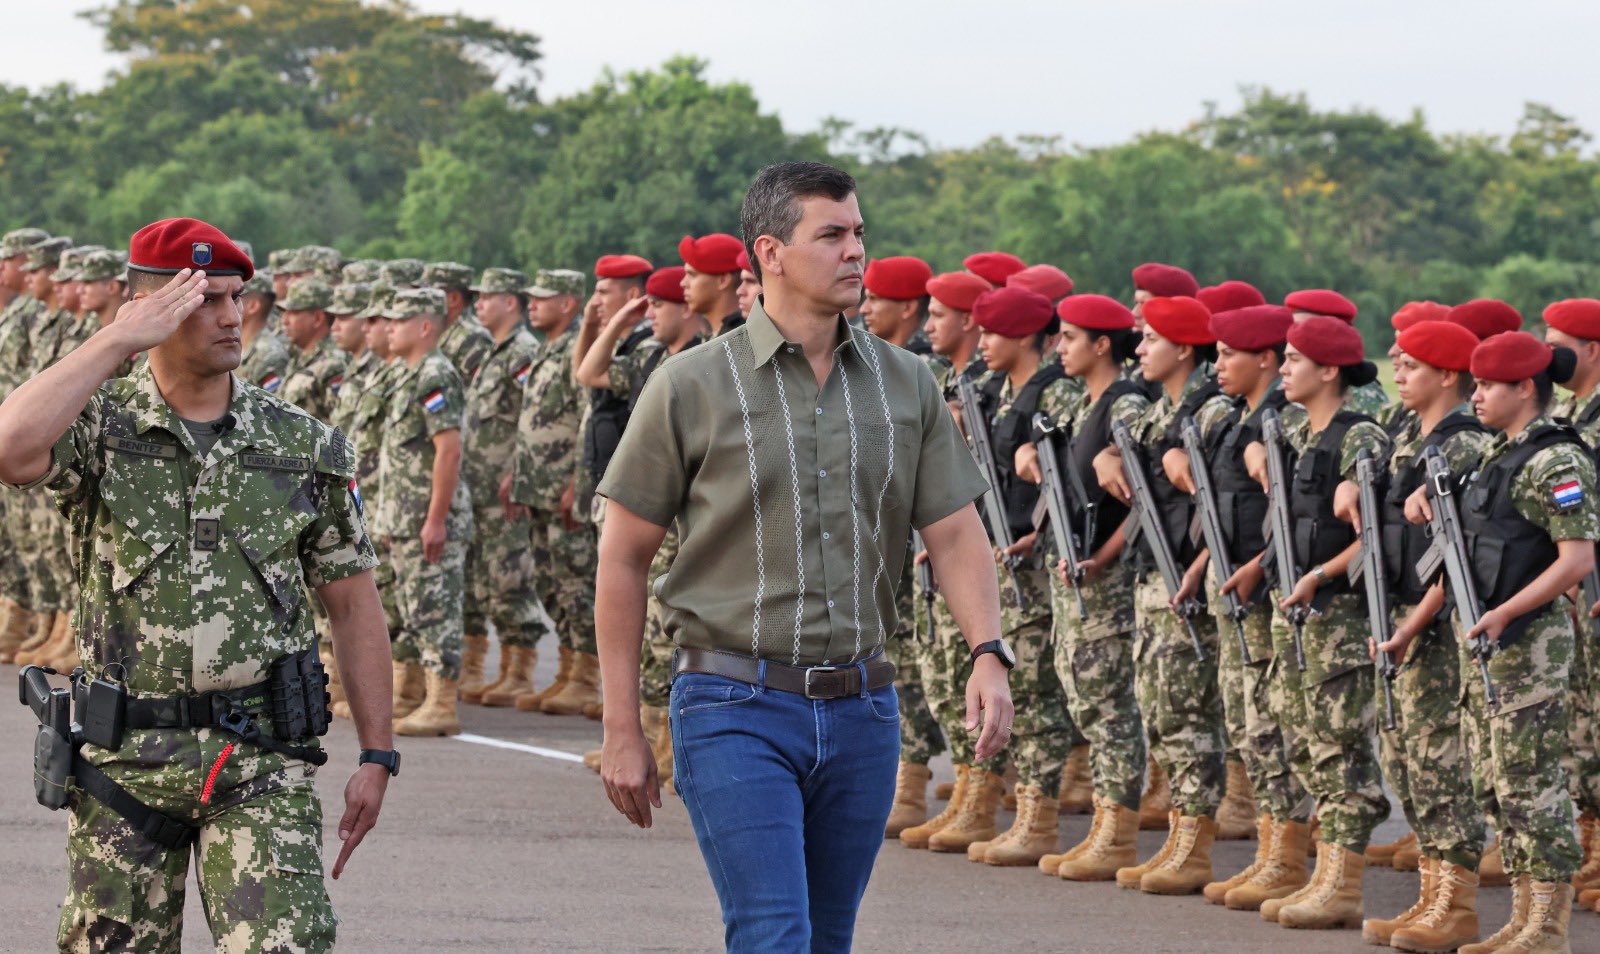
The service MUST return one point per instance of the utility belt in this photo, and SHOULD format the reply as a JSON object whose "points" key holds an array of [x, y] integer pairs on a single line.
{"points": [[290, 707]]}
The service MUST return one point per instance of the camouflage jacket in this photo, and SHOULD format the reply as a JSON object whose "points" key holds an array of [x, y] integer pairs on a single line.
{"points": [[466, 343], [494, 403], [371, 406], [45, 339], [16, 328], [357, 373], [1372, 400], [1584, 413], [425, 400], [314, 379], [265, 362], [547, 431]]}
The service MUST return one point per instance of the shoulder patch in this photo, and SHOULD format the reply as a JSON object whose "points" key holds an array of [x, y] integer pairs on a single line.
{"points": [[522, 373], [435, 401], [270, 383], [1567, 494], [336, 382]]}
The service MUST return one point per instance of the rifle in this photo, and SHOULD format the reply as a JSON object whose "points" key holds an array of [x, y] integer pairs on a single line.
{"points": [[1281, 527], [1148, 523], [1369, 566], [1590, 588], [1055, 500], [994, 512], [924, 580], [1447, 552], [1205, 498]]}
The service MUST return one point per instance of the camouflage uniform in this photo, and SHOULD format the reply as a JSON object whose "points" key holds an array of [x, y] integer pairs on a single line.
{"points": [[1583, 702], [192, 619], [321, 261], [465, 341], [544, 464], [1373, 401], [1094, 656], [361, 271], [315, 376], [16, 322], [402, 272]]}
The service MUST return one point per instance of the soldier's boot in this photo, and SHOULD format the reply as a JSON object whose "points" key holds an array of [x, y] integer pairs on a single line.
{"points": [[1155, 806], [1451, 918], [661, 747], [517, 683], [1379, 931], [1549, 915], [1035, 833], [1315, 827], [474, 653], [1407, 858], [14, 628], [594, 710], [1283, 874], [1077, 783], [1187, 868], [1236, 816], [1513, 927], [475, 697], [1269, 907], [1587, 881], [1008, 786], [910, 798], [36, 651], [1492, 866], [66, 643], [1050, 863], [437, 714], [1384, 854], [1131, 876], [1110, 848], [582, 688], [917, 835], [409, 688], [1217, 891], [944, 790], [24, 621], [530, 699], [1337, 901], [975, 815]]}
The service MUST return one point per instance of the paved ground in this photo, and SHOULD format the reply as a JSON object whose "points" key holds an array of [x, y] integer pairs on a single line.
{"points": [[483, 848]]}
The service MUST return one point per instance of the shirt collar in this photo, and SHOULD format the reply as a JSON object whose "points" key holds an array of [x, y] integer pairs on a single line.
{"points": [[766, 339], [150, 410]]}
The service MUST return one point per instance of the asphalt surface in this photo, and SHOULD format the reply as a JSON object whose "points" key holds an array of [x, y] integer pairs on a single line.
{"points": [[486, 848]]}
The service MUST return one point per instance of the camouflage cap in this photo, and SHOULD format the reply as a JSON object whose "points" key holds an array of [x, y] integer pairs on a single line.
{"points": [[379, 294], [102, 265], [17, 241], [259, 284], [402, 272], [450, 276], [321, 260], [362, 271], [248, 249], [69, 267], [496, 280], [550, 282], [279, 260], [350, 299], [308, 294], [46, 254], [415, 303]]}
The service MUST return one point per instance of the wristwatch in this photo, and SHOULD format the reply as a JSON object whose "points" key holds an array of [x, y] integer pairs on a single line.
{"points": [[1321, 574], [1000, 648], [388, 758]]}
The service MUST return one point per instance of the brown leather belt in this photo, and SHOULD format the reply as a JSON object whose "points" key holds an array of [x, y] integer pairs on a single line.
{"points": [[813, 682]]}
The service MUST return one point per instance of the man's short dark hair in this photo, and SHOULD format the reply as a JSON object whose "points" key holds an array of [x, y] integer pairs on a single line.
{"points": [[772, 206], [140, 281]]}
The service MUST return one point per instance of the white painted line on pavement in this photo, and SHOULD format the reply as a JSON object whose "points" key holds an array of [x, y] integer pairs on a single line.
{"points": [[518, 747]]}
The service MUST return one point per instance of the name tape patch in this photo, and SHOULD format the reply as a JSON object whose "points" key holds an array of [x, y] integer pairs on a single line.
{"points": [[129, 445]]}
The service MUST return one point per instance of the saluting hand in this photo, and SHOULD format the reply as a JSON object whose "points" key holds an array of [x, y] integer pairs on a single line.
{"points": [[145, 322], [628, 315]]}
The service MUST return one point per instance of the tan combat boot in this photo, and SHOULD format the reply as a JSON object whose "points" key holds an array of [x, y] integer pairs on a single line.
{"points": [[917, 835], [1513, 927], [474, 651], [1492, 867], [1407, 858], [530, 699], [1035, 833], [1111, 848], [1155, 806], [507, 653], [1587, 881], [1380, 930], [944, 790], [41, 626], [1131, 876], [1187, 868], [1049, 863], [975, 814], [517, 682], [1336, 902], [1283, 873], [1549, 915], [437, 714], [1077, 783], [1269, 907], [66, 643], [582, 688], [594, 710], [1451, 918], [1236, 816], [409, 688], [26, 621], [1384, 854], [910, 798], [1216, 891], [14, 626]]}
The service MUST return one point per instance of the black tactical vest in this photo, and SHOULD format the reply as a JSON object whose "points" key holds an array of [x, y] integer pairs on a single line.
{"points": [[1241, 502], [1404, 543], [1319, 536], [1078, 457], [1011, 430], [608, 415], [1175, 506]]}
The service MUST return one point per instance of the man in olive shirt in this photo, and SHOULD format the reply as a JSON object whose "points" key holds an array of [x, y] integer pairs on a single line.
{"points": [[795, 455]]}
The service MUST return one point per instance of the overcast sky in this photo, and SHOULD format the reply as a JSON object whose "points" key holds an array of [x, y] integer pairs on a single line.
{"points": [[1089, 72]]}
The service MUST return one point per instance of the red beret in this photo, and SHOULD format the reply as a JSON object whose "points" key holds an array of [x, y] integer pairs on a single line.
{"points": [[620, 266], [1180, 319], [958, 290], [1414, 311], [1329, 341], [1322, 301], [1047, 280], [169, 246], [744, 260], [1013, 312], [714, 254], [1230, 296], [1164, 280], [1486, 317], [1252, 328], [1510, 356], [901, 278], [1443, 344], [1096, 312], [1578, 317], [666, 284], [993, 267]]}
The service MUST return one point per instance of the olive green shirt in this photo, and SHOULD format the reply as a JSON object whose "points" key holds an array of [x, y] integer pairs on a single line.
{"points": [[795, 503]]}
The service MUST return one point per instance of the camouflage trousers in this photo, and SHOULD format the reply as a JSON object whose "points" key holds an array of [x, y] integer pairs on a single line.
{"points": [[43, 549], [499, 577], [564, 567], [1094, 662], [429, 597], [13, 576], [258, 860], [1178, 695], [1424, 757], [920, 738], [1582, 760], [1285, 706], [388, 591], [1042, 733], [943, 665], [1254, 735]]}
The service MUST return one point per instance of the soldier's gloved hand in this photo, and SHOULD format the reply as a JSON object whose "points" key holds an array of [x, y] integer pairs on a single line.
{"points": [[147, 321]]}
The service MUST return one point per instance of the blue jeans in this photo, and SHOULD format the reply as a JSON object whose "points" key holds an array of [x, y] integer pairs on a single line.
{"points": [[788, 797]]}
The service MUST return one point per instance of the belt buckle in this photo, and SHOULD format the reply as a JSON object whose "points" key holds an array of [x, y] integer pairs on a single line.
{"points": [[813, 670]]}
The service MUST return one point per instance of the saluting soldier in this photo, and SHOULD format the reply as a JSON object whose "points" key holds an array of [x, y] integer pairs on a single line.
{"points": [[17, 627], [711, 279]]}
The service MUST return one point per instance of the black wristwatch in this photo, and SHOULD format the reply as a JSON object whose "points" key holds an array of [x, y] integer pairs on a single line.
{"points": [[388, 758], [1000, 648]]}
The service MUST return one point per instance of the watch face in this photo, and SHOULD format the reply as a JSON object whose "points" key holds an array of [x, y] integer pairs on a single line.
{"points": [[1005, 653]]}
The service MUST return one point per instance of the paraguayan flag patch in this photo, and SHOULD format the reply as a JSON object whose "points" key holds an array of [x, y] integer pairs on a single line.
{"points": [[1568, 495], [270, 383], [434, 402]]}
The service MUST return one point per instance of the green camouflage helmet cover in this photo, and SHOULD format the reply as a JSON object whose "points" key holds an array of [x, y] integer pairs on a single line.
{"points": [[550, 282], [308, 294], [497, 280], [18, 241], [416, 303]]}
